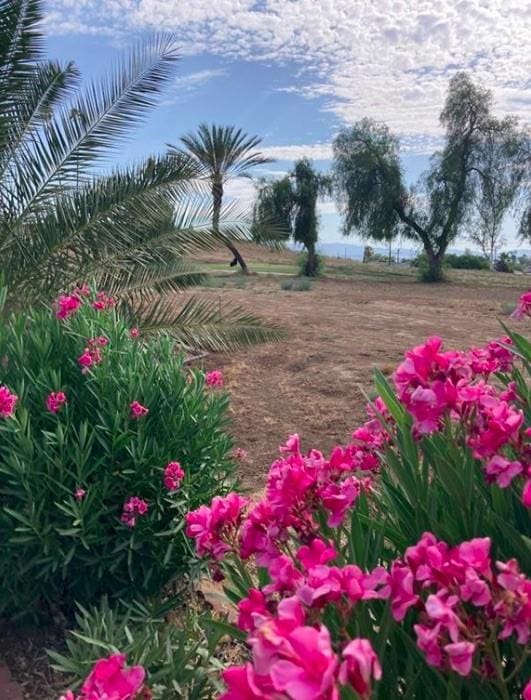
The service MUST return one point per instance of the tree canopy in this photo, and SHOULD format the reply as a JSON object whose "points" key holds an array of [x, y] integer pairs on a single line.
{"points": [[373, 195]]}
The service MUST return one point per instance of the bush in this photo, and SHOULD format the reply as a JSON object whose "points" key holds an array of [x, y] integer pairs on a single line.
{"points": [[505, 263], [302, 262], [177, 659], [89, 505], [399, 565], [302, 284], [466, 261]]}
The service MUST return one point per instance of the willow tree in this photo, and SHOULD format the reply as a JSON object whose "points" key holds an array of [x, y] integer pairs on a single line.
{"points": [[222, 153], [370, 184], [65, 218]]}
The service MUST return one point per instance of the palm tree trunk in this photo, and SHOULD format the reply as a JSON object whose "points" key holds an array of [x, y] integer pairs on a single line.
{"points": [[217, 199]]}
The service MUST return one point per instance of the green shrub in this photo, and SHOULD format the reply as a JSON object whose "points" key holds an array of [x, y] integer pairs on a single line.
{"points": [[466, 261], [65, 476], [177, 658], [301, 284], [302, 262]]}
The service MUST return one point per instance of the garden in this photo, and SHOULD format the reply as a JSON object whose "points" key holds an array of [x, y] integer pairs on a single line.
{"points": [[392, 566], [147, 550]]}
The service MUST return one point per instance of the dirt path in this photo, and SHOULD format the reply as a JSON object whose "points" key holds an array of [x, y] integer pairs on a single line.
{"points": [[338, 332]]}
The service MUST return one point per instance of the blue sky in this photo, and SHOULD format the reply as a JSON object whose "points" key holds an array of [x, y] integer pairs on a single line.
{"points": [[296, 71]]}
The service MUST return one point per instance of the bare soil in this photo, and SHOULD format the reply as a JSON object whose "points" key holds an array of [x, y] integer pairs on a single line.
{"points": [[314, 381]]}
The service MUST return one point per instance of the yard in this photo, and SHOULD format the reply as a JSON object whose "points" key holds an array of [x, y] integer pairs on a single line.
{"points": [[356, 319]]}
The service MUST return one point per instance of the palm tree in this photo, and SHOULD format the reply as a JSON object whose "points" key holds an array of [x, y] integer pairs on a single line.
{"points": [[63, 222], [222, 153]]}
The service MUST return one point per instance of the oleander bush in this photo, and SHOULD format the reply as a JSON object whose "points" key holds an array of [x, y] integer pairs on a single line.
{"points": [[105, 441], [176, 657], [400, 564]]}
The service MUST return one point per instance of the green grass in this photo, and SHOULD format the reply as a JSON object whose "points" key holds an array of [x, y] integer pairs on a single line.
{"points": [[374, 272]]}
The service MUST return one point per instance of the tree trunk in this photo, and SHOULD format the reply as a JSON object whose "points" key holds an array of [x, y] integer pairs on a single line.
{"points": [[311, 262], [217, 200], [434, 273]]}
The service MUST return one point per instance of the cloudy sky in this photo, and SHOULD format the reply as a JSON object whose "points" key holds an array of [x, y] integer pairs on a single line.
{"points": [[296, 71]]}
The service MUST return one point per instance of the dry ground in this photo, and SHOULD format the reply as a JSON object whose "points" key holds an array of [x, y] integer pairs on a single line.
{"points": [[338, 332]]}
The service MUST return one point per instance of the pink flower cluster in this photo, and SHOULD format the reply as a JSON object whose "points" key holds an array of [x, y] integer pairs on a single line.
{"points": [[214, 379], [298, 488], [67, 305], [103, 302], [523, 307], [132, 509], [55, 401], [434, 385], [92, 354], [111, 679], [173, 476], [8, 401], [295, 660], [461, 601], [215, 528], [137, 410]]}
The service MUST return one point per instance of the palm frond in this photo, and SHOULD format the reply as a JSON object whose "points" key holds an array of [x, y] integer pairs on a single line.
{"points": [[140, 283], [207, 324], [20, 46], [222, 150], [65, 148]]}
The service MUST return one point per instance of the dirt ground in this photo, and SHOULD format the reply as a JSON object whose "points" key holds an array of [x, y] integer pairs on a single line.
{"points": [[338, 332]]}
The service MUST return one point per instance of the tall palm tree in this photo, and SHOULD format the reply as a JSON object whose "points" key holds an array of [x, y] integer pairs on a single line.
{"points": [[63, 222], [222, 153]]}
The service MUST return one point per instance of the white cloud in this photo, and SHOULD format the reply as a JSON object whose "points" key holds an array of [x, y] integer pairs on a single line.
{"points": [[185, 85], [315, 151], [387, 59]]}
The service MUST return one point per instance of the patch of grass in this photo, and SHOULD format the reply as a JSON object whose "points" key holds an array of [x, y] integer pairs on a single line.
{"points": [[299, 284]]}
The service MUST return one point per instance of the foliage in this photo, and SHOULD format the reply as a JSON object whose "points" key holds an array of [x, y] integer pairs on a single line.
{"points": [[390, 567], [505, 263], [456, 261], [221, 153], [303, 262], [478, 149], [175, 656], [296, 285], [64, 215], [292, 204], [89, 505]]}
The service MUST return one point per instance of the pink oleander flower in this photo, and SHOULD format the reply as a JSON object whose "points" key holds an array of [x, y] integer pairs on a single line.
{"points": [[90, 357], [110, 679], [526, 494], [134, 332], [55, 401], [8, 401], [527, 691], [133, 508], [173, 476], [252, 609], [137, 410], [214, 379], [523, 307], [79, 494], [460, 656], [502, 470], [67, 305], [101, 340], [103, 302], [214, 528], [360, 667]]}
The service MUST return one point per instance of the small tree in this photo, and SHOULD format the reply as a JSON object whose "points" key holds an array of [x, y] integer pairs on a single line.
{"points": [[292, 204], [498, 191], [222, 153], [377, 203]]}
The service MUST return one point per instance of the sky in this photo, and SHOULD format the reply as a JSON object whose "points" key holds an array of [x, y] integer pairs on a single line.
{"points": [[296, 71]]}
